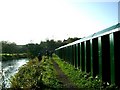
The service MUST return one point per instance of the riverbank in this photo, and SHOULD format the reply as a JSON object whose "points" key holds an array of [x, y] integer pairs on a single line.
{"points": [[36, 75], [54, 73], [9, 68], [13, 56]]}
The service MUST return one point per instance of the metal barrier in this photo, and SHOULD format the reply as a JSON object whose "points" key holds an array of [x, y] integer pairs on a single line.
{"points": [[98, 54]]}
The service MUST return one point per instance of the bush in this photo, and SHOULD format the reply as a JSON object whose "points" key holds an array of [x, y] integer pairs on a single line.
{"points": [[35, 74]]}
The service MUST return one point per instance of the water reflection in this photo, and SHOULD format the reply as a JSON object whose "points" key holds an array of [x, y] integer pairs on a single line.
{"points": [[10, 67]]}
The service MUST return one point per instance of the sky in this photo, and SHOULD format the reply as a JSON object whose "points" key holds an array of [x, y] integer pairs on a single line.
{"points": [[26, 21]]}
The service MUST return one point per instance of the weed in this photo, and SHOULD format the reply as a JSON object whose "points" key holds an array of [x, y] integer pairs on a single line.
{"points": [[79, 78], [35, 74]]}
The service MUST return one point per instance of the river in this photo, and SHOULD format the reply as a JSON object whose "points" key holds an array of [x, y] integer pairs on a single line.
{"points": [[9, 68]]}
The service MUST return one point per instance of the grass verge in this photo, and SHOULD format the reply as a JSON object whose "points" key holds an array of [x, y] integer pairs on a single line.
{"points": [[35, 74], [79, 78]]}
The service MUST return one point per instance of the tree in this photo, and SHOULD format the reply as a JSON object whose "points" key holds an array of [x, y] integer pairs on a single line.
{"points": [[33, 49]]}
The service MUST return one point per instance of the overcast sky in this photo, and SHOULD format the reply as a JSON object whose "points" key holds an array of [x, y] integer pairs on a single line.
{"points": [[25, 21]]}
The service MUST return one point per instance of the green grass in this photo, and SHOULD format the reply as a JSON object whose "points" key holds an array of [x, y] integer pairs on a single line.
{"points": [[80, 79], [42, 74], [36, 74], [6, 56]]}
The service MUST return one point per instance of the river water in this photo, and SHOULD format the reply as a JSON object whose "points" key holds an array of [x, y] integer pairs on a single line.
{"points": [[9, 68]]}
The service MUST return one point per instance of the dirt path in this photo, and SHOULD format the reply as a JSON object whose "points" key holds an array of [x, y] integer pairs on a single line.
{"points": [[62, 77]]}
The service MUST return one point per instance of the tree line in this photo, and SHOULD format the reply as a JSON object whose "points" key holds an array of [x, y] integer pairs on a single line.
{"points": [[32, 49]]}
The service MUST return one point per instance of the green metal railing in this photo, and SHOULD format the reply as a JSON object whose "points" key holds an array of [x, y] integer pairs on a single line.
{"points": [[98, 54]]}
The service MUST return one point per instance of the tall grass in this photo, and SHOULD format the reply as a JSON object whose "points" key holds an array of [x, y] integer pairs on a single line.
{"points": [[36, 74], [79, 78]]}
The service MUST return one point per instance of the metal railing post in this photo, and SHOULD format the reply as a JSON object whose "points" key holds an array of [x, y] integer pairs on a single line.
{"points": [[112, 61], [91, 57], [100, 56]]}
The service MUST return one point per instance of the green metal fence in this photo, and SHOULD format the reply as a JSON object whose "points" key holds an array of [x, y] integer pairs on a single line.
{"points": [[98, 54]]}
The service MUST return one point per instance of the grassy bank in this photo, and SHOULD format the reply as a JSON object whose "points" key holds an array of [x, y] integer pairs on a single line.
{"points": [[13, 56], [36, 74], [79, 78], [42, 74]]}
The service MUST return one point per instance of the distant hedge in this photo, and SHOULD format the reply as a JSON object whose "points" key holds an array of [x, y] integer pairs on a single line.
{"points": [[13, 56]]}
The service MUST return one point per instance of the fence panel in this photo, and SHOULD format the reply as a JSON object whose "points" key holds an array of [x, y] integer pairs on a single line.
{"points": [[98, 54]]}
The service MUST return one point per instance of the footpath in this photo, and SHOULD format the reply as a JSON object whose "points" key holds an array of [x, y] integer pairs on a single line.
{"points": [[52, 73], [62, 77]]}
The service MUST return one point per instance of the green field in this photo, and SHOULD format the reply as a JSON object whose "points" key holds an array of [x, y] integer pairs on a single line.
{"points": [[6, 56]]}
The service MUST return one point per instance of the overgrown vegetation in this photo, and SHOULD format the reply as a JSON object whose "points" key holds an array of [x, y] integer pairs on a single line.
{"points": [[41, 74], [79, 78], [13, 56], [32, 49], [35, 75]]}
